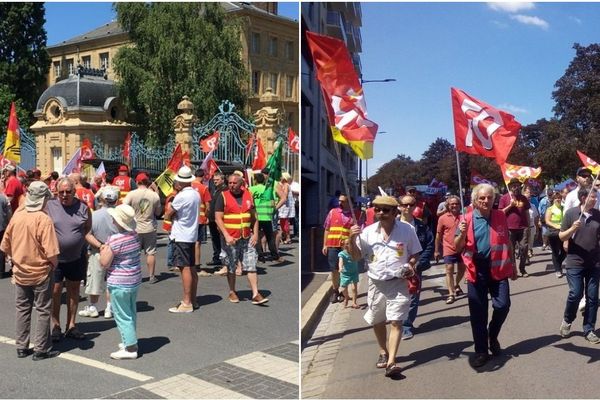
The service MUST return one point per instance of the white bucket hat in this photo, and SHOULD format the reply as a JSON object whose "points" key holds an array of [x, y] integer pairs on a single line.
{"points": [[124, 216], [185, 175]]}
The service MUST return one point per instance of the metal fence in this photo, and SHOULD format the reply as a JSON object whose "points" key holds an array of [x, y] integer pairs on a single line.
{"points": [[28, 150]]}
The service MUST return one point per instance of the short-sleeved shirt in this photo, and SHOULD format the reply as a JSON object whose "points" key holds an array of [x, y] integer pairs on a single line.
{"points": [[125, 270], [572, 200], [5, 211], [146, 203], [350, 266], [583, 248], [346, 217], [481, 230], [446, 228], [102, 225], [13, 188], [517, 216], [31, 241], [385, 258], [185, 224], [69, 222]]}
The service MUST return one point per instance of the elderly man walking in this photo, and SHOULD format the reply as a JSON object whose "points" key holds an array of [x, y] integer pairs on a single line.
{"points": [[390, 248], [72, 221], [33, 265], [183, 211]]}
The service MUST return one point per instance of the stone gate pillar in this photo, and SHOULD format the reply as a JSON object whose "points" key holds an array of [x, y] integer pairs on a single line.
{"points": [[183, 124]]}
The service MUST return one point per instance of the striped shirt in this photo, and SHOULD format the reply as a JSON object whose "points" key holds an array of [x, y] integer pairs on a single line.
{"points": [[125, 270]]}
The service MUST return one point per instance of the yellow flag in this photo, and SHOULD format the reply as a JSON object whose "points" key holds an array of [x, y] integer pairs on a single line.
{"points": [[165, 182], [12, 145]]}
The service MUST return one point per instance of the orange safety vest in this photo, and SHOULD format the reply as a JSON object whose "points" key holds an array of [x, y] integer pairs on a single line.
{"points": [[167, 223], [202, 191], [337, 231], [501, 265], [237, 218], [124, 184]]}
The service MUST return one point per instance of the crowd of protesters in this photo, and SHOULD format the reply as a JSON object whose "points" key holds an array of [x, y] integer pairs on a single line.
{"points": [[488, 241], [65, 232]]}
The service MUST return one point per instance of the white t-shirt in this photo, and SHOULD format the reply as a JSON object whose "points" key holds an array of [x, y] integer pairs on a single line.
{"points": [[185, 223], [572, 200], [385, 258]]}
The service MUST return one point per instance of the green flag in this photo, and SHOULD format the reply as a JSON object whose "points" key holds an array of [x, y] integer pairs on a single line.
{"points": [[274, 168]]}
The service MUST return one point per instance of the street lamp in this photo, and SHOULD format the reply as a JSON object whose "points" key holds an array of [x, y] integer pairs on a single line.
{"points": [[377, 80]]}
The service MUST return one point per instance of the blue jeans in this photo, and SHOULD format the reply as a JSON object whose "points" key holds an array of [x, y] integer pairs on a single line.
{"points": [[478, 307], [578, 279], [414, 306], [125, 313]]}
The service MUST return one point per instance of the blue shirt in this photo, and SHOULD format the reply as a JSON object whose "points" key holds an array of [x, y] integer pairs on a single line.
{"points": [[481, 229]]}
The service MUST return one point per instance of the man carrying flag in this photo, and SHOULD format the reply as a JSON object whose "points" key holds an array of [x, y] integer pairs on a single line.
{"points": [[515, 206], [166, 179]]}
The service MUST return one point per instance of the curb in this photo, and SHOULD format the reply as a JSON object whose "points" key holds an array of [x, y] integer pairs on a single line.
{"points": [[313, 309]]}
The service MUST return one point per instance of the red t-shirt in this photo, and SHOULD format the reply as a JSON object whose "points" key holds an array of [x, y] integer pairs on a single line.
{"points": [[13, 188], [516, 217], [446, 229]]}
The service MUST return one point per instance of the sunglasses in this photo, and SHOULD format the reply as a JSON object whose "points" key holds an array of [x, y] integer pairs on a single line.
{"points": [[585, 176], [407, 205], [65, 192], [384, 210]]}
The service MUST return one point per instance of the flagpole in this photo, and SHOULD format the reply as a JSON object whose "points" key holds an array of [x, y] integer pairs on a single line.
{"points": [[460, 188], [344, 181]]}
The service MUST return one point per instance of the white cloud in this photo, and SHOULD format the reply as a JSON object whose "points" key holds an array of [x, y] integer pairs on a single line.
{"points": [[529, 20], [499, 24], [576, 20], [511, 7], [513, 109]]}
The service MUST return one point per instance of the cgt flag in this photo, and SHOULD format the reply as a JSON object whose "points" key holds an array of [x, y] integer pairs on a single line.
{"points": [[210, 143], [589, 163], [166, 179], [477, 178], [260, 159], [12, 145], [482, 129], [293, 141], [343, 94], [127, 149], [520, 172]]}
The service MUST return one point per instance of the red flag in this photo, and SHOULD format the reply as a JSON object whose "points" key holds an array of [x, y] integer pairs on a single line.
{"points": [[12, 144], [186, 159], [482, 129], [209, 166], [520, 172], [260, 159], [343, 94], [249, 145], [176, 160], [293, 141], [210, 142], [127, 148], [589, 163], [87, 153], [4, 162]]}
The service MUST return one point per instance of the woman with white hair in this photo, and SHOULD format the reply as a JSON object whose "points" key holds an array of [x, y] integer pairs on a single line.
{"points": [[285, 207]]}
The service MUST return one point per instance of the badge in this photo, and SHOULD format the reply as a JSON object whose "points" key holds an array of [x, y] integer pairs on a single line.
{"points": [[400, 249]]}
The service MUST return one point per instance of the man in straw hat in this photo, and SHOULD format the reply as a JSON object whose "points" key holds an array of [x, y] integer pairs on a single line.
{"points": [[33, 266], [391, 249], [183, 211]]}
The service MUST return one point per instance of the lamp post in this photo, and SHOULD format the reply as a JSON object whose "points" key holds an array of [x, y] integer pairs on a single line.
{"points": [[377, 80]]}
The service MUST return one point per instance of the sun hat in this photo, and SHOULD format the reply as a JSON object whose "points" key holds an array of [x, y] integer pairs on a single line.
{"points": [[37, 192], [10, 167], [185, 175], [385, 201], [124, 216], [286, 176]]}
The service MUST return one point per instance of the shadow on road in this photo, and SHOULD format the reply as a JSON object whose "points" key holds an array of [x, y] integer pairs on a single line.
{"points": [[67, 344], [96, 325], [592, 352], [440, 323], [208, 299], [143, 306], [317, 341], [451, 351], [150, 345]]}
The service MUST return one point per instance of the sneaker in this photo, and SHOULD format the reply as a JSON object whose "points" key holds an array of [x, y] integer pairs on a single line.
{"points": [[407, 334], [124, 355], [37, 356], [559, 274], [89, 311], [152, 280], [180, 309], [565, 329], [524, 274], [592, 338], [334, 297], [479, 360], [233, 297], [204, 273], [108, 313], [259, 299]]}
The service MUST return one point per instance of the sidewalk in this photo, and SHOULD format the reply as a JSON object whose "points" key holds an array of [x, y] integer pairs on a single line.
{"points": [[338, 361]]}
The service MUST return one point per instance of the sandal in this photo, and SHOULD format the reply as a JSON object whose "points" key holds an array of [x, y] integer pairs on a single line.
{"points": [[56, 334], [393, 371], [74, 333], [382, 361], [458, 291], [450, 299]]}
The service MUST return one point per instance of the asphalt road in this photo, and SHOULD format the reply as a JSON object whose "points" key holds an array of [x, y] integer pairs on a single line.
{"points": [[536, 362], [170, 344]]}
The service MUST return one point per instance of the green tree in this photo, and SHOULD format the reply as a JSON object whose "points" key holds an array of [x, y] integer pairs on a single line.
{"points": [[24, 61], [178, 49]]}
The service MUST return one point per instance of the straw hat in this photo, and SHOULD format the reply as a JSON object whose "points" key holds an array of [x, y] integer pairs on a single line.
{"points": [[385, 201], [124, 216], [185, 175]]}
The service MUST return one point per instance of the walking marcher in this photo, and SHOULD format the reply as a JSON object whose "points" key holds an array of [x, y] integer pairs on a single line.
{"points": [[584, 181], [13, 188], [205, 198], [33, 265], [516, 208], [5, 216], [285, 207], [534, 223], [426, 240], [348, 269], [102, 228], [236, 217], [183, 212], [146, 203], [444, 238], [337, 228], [264, 201], [484, 239], [580, 226], [390, 248], [219, 186], [553, 218], [72, 221], [121, 256]]}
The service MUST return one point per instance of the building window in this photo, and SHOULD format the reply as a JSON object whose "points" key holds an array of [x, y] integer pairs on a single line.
{"points": [[104, 61], [255, 82], [57, 160], [56, 69], [255, 43], [289, 86], [289, 50], [273, 47], [273, 82], [86, 61], [70, 66]]}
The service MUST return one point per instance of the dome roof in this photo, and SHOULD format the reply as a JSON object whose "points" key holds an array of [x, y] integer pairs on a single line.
{"points": [[93, 92]]}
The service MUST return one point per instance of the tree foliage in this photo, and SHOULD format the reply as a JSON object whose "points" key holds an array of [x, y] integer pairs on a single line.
{"points": [[178, 49], [24, 61]]}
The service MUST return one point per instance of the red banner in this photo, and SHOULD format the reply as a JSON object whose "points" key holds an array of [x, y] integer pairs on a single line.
{"points": [[482, 129], [176, 160], [293, 141], [127, 148], [520, 172], [210, 142], [260, 159]]}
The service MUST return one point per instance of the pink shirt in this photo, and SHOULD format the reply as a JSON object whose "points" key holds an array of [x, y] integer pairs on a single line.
{"points": [[446, 229]]}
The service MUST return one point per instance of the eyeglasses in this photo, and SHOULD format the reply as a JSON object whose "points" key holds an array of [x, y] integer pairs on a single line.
{"points": [[384, 210], [65, 192], [407, 205], [585, 176]]}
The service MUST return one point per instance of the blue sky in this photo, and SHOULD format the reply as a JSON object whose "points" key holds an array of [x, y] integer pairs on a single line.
{"points": [[91, 15], [509, 55]]}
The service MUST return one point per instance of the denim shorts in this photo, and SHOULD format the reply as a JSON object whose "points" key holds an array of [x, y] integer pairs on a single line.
{"points": [[453, 259], [242, 252]]}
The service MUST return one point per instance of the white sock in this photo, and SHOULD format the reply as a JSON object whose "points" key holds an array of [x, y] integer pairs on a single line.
{"points": [[108, 306], [93, 304]]}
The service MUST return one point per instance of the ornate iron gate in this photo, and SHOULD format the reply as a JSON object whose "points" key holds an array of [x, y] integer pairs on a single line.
{"points": [[28, 151]]}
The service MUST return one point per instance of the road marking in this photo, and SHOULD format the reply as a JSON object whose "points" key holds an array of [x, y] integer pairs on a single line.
{"points": [[266, 364], [93, 363], [189, 387]]}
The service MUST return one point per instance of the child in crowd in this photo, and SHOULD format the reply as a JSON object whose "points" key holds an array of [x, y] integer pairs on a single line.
{"points": [[348, 274]]}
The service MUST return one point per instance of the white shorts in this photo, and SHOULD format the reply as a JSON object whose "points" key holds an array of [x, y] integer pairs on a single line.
{"points": [[96, 276], [387, 301]]}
